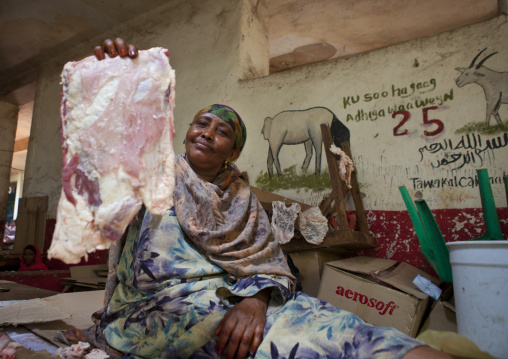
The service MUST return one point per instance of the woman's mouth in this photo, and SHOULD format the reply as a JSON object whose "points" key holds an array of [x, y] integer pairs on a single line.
{"points": [[203, 145]]}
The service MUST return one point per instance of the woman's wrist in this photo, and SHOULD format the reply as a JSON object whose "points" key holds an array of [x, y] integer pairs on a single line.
{"points": [[264, 295]]}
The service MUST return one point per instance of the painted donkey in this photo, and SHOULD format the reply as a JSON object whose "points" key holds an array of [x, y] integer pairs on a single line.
{"points": [[295, 127], [494, 84]]}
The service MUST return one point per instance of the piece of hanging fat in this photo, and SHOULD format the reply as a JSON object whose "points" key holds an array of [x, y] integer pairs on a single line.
{"points": [[117, 146]]}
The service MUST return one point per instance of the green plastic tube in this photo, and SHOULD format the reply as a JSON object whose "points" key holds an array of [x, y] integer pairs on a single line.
{"points": [[506, 188], [436, 241], [419, 229], [492, 226]]}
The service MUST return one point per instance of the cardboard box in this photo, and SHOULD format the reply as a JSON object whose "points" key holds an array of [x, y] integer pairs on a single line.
{"points": [[442, 317], [377, 290], [310, 264]]}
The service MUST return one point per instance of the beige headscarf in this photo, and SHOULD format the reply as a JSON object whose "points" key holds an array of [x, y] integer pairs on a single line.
{"points": [[225, 221]]}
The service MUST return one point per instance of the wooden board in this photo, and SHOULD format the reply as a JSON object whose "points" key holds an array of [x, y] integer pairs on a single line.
{"points": [[30, 311], [80, 305], [16, 291]]}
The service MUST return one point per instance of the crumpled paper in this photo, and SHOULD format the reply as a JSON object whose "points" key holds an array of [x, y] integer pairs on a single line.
{"points": [[283, 221], [427, 287], [313, 225]]}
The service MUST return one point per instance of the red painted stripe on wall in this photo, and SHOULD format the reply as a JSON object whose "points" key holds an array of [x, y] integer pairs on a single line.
{"points": [[396, 238]]}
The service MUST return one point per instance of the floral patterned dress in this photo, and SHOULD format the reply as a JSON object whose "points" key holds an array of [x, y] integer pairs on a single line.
{"points": [[170, 298]]}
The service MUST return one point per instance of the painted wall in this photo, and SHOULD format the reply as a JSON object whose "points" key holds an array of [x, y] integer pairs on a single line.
{"points": [[405, 114], [401, 105]]}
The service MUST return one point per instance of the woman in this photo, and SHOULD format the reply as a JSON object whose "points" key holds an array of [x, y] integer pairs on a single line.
{"points": [[31, 259], [209, 280]]}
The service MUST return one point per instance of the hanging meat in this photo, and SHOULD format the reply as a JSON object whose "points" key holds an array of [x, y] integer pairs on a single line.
{"points": [[117, 147]]}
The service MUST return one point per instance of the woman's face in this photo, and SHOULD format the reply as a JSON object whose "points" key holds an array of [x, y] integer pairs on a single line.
{"points": [[28, 257], [208, 143]]}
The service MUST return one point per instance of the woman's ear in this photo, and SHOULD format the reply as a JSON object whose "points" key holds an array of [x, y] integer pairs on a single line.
{"points": [[234, 155]]}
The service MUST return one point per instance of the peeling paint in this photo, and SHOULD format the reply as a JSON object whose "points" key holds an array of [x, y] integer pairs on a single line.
{"points": [[396, 238]]}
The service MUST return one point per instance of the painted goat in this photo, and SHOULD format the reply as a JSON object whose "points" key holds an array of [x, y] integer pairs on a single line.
{"points": [[494, 84]]}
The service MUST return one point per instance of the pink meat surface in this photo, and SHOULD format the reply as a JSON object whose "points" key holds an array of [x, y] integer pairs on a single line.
{"points": [[117, 148], [7, 347]]}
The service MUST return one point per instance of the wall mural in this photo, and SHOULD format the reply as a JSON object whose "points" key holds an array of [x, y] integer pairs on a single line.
{"points": [[296, 127], [494, 84], [475, 148], [418, 109]]}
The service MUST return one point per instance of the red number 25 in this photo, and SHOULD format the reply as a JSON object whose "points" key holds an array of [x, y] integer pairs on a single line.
{"points": [[397, 131]]}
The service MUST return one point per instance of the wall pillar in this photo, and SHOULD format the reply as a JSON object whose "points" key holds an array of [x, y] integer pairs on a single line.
{"points": [[254, 56], [8, 125], [503, 7]]}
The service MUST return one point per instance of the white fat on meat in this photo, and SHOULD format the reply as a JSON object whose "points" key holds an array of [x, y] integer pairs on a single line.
{"points": [[117, 149], [345, 164], [97, 354], [75, 351]]}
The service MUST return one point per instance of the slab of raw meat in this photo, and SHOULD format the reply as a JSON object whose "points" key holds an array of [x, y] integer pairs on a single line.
{"points": [[117, 148]]}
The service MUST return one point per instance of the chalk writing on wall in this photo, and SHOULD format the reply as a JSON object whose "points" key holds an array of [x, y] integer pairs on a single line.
{"points": [[406, 110], [415, 88], [451, 182], [469, 149]]}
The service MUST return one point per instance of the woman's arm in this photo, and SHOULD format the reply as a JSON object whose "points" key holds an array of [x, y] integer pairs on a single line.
{"points": [[241, 330]]}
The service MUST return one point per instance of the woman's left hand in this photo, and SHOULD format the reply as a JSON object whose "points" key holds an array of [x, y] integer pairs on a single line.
{"points": [[115, 48], [241, 330]]}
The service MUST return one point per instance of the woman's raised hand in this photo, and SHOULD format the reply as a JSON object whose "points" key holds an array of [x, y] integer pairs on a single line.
{"points": [[115, 48]]}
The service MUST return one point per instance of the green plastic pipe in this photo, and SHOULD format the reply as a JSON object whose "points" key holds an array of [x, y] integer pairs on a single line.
{"points": [[436, 241], [418, 225], [492, 226], [506, 188]]}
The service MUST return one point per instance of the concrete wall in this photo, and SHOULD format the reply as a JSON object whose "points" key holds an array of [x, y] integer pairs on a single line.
{"points": [[8, 123], [218, 50]]}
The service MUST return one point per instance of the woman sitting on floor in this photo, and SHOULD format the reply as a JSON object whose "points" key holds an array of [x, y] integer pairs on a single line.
{"points": [[209, 280]]}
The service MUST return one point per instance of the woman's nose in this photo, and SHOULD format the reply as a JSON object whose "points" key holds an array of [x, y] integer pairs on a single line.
{"points": [[207, 133]]}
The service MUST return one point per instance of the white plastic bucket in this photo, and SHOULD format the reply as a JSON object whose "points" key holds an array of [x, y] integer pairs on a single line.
{"points": [[480, 286]]}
